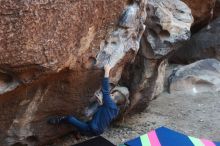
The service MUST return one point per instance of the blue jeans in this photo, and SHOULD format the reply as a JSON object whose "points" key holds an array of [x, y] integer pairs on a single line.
{"points": [[81, 126]]}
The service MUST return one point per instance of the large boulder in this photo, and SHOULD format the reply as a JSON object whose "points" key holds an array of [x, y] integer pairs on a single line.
{"points": [[202, 45], [52, 54], [51, 59], [198, 77], [168, 24]]}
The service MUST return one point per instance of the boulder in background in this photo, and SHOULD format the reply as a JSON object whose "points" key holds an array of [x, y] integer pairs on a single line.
{"points": [[202, 45], [198, 77]]}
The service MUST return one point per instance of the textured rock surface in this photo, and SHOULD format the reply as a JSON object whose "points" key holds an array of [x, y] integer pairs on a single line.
{"points": [[201, 76], [40, 37], [50, 34], [202, 11], [204, 44], [51, 53], [168, 22]]}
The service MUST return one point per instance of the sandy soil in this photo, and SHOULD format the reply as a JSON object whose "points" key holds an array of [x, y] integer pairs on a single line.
{"points": [[196, 115]]}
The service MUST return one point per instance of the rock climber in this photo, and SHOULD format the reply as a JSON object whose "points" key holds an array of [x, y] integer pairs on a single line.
{"points": [[109, 101]]}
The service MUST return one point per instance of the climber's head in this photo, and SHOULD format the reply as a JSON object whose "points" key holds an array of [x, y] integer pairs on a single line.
{"points": [[120, 95]]}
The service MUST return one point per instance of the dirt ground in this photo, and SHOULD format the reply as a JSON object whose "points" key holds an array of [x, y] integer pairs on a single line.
{"points": [[195, 115]]}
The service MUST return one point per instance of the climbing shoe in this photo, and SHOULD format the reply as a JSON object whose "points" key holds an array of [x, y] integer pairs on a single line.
{"points": [[56, 120]]}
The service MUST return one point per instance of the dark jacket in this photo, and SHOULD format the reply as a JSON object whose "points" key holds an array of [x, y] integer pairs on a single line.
{"points": [[106, 113]]}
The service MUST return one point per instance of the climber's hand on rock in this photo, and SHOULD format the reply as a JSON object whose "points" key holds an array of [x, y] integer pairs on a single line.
{"points": [[107, 69]]}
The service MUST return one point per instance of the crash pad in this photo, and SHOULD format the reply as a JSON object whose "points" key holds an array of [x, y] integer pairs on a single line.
{"points": [[97, 141], [166, 137]]}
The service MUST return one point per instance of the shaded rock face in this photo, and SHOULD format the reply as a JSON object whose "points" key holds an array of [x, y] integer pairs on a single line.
{"points": [[198, 77], [204, 44], [217, 9], [202, 11], [146, 81], [51, 59], [25, 114]]}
